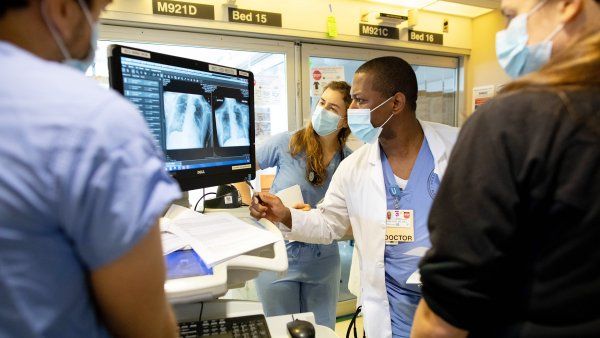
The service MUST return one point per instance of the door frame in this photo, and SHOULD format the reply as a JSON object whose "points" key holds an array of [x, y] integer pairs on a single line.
{"points": [[178, 38], [362, 54]]}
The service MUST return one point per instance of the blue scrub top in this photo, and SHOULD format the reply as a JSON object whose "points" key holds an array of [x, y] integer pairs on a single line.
{"points": [[81, 183], [275, 152], [418, 195]]}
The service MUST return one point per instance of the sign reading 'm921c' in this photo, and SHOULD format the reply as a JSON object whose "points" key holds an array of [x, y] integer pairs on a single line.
{"points": [[377, 31], [185, 9]]}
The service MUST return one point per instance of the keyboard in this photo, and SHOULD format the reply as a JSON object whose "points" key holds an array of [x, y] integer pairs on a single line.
{"points": [[234, 327]]}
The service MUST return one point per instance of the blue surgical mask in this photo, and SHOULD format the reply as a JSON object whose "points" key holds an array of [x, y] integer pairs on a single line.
{"points": [[514, 55], [81, 65], [359, 121], [324, 122]]}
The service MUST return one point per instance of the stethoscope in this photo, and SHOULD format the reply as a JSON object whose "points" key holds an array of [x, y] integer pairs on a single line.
{"points": [[311, 174]]}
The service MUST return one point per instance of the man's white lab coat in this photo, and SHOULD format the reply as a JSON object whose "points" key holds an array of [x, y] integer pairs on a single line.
{"points": [[356, 196]]}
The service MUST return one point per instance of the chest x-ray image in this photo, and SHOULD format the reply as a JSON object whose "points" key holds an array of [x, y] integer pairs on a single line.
{"points": [[188, 120], [233, 123]]}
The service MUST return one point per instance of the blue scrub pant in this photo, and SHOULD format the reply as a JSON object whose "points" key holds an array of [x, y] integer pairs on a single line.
{"points": [[312, 283]]}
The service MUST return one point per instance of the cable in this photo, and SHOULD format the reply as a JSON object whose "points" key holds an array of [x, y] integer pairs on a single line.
{"points": [[352, 326], [201, 310], [201, 198], [208, 194]]}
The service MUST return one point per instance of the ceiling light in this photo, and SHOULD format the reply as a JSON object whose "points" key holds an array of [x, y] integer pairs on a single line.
{"points": [[453, 8], [406, 3]]}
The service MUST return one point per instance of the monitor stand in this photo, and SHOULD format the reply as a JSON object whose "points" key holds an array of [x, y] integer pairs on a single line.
{"points": [[184, 201]]}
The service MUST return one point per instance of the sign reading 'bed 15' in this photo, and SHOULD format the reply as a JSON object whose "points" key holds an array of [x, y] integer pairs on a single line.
{"points": [[185, 9], [254, 17]]}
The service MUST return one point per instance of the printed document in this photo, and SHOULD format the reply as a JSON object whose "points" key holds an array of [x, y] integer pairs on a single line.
{"points": [[216, 237]]}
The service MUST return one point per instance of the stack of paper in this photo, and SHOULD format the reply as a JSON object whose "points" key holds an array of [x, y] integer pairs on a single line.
{"points": [[215, 237]]}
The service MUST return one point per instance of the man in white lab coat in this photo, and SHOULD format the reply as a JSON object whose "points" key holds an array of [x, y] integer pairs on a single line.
{"points": [[383, 190]]}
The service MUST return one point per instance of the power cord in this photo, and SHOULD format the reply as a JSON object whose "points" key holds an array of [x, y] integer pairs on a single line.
{"points": [[201, 198], [201, 310], [208, 194], [352, 326]]}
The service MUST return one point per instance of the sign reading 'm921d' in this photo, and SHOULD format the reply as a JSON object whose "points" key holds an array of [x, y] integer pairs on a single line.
{"points": [[185, 9]]}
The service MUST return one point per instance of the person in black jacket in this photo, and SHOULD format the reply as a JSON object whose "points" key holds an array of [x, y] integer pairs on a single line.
{"points": [[515, 227]]}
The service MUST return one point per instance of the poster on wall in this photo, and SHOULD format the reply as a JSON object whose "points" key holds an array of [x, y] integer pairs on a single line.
{"points": [[267, 101], [482, 94], [321, 76]]}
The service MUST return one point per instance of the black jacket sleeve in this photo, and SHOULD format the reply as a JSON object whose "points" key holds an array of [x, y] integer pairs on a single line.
{"points": [[469, 274]]}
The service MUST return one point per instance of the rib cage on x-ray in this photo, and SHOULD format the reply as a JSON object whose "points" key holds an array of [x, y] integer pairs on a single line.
{"points": [[188, 121], [233, 123]]}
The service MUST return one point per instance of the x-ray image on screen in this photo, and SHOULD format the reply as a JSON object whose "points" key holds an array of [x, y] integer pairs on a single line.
{"points": [[188, 121], [233, 122]]}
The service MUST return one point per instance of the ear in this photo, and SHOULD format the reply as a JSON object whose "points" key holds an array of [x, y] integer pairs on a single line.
{"points": [[568, 10], [64, 15], [399, 103]]}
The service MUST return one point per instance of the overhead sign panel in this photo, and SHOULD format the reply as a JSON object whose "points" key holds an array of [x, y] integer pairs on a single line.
{"points": [[253, 17], [183, 9], [377, 31]]}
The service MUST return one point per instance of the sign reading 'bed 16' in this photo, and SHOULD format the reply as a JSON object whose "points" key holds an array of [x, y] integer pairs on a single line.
{"points": [[185, 9]]}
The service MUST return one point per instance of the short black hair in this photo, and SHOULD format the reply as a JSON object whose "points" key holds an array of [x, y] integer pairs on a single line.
{"points": [[5, 5], [392, 75]]}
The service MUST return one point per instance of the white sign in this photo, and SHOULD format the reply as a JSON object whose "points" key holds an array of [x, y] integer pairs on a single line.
{"points": [[321, 76], [482, 95]]}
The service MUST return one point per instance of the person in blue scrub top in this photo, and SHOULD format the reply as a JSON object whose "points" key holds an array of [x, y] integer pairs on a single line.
{"points": [[308, 158], [384, 190], [81, 186]]}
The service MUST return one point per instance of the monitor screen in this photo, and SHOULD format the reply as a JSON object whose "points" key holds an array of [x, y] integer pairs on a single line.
{"points": [[201, 114]]}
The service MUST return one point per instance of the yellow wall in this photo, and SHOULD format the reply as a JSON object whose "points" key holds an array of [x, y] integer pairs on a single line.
{"points": [[483, 68], [305, 20]]}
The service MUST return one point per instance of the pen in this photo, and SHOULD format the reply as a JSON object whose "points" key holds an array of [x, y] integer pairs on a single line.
{"points": [[254, 192]]}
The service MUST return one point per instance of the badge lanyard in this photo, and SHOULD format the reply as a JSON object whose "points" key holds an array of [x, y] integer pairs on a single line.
{"points": [[399, 222], [391, 186]]}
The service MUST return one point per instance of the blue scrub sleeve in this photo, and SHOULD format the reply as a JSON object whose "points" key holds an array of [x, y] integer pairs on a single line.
{"points": [[269, 153], [116, 187]]}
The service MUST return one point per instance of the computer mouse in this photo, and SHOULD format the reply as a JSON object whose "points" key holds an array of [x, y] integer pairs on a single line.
{"points": [[301, 329]]}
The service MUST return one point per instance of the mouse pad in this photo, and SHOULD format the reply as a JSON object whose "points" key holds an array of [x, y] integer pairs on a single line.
{"points": [[186, 263]]}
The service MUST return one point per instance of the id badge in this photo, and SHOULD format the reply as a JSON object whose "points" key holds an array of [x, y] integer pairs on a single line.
{"points": [[400, 227]]}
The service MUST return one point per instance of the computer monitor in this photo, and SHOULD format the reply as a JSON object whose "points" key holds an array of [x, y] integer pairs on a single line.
{"points": [[201, 114]]}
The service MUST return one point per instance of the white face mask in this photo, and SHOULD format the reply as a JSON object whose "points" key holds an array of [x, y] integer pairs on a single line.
{"points": [[359, 121], [81, 65], [324, 121], [514, 55]]}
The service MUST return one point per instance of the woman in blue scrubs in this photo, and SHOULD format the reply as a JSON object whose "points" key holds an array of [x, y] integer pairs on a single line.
{"points": [[308, 158]]}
